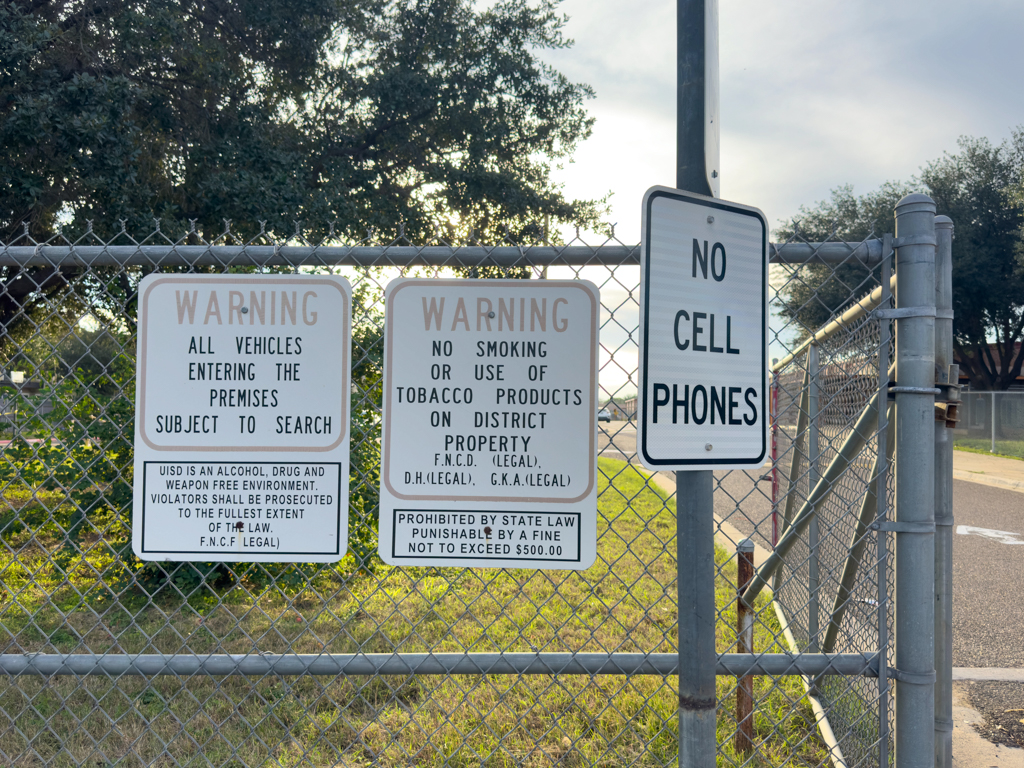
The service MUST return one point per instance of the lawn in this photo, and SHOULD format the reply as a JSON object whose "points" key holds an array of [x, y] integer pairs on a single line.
{"points": [[626, 602], [1009, 449]]}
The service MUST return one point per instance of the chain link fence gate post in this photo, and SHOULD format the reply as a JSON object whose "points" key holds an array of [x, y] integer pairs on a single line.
{"points": [[915, 482], [948, 376]]}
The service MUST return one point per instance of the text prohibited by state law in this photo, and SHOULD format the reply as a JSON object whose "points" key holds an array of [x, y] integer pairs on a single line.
{"points": [[704, 331], [488, 448], [242, 428]]}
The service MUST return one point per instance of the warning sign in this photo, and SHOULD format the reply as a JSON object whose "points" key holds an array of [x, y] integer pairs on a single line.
{"points": [[489, 439], [241, 432]]}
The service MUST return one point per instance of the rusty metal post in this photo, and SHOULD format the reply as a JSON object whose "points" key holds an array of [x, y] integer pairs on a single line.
{"points": [[813, 475], [744, 644], [775, 454]]}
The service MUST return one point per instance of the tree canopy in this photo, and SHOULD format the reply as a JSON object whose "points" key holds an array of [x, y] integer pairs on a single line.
{"points": [[981, 188], [428, 113]]}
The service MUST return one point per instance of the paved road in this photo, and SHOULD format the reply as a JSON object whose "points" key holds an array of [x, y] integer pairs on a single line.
{"points": [[988, 610]]}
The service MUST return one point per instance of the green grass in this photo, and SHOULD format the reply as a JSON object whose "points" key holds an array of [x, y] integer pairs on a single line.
{"points": [[1007, 449], [626, 602]]}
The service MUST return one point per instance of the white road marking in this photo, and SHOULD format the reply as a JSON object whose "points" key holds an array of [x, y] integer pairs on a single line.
{"points": [[1003, 537]]}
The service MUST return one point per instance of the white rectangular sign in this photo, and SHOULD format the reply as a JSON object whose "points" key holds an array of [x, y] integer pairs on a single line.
{"points": [[704, 333], [242, 423], [489, 441]]}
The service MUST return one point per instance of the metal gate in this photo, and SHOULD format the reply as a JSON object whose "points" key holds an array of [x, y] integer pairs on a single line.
{"points": [[111, 661]]}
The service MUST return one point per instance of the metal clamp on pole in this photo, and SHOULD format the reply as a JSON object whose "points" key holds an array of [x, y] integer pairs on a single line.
{"points": [[912, 678], [905, 312], [947, 403], [900, 242], [898, 527], [894, 390]]}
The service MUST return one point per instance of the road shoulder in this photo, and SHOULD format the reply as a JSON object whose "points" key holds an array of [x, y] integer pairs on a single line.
{"points": [[994, 471]]}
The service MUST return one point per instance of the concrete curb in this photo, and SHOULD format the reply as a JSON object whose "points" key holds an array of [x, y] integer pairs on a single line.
{"points": [[990, 480]]}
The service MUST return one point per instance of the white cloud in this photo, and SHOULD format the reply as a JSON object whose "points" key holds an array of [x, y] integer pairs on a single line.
{"points": [[813, 94]]}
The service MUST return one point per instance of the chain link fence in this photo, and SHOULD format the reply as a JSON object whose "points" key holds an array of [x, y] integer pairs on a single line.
{"points": [[834, 587], [112, 661], [992, 422]]}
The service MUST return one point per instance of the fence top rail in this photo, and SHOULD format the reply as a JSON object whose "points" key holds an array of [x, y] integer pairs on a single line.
{"points": [[867, 253], [852, 315], [732, 664]]}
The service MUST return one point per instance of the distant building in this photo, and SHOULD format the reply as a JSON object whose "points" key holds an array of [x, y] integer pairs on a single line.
{"points": [[996, 362], [622, 410]]}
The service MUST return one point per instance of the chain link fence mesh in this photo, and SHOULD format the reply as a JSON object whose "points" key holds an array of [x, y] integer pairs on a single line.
{"points": [[836, 574], [992, 422], [71, 585]]}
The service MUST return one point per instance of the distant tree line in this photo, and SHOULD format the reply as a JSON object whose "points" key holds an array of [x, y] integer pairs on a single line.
{"points": [[981, 188]]}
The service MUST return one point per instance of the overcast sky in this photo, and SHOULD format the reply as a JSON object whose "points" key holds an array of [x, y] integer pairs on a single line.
{"points": [[814, 94]]}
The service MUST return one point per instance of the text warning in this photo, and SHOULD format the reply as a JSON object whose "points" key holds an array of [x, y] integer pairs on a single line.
{"points": [[537, 536], [489, 439], [242, 424]]}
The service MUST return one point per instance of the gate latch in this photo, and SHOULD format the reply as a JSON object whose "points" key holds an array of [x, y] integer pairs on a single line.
{"points": [[947, 402]]}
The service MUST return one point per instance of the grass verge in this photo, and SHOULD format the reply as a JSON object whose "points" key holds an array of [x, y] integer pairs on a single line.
{"points": [[1007, 449]]}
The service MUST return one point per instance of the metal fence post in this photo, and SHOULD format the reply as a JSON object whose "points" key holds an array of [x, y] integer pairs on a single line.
{"points": [[775, 454], [944, 495], [813, 457], [915, 482], [885, 447], [992, 420], [744, 644], [696, 79], [695, 560]]}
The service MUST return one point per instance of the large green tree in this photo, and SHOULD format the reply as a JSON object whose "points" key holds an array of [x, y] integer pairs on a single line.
{"points": [[342, 114], [810, 296], [362, 112], [975, 187], [423, 116], [980, 187]]}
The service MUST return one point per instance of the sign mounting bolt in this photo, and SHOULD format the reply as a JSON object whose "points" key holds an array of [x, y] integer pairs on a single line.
{"points": [[711, 219], [245, 310], [490, 315], [708, 446]]}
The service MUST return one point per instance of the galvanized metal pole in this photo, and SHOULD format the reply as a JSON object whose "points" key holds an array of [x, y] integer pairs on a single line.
{"points": [[813, 457], [884, 450], [915, 482], [696, 23], [695, 552], [696, 88], [944, 496]]}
